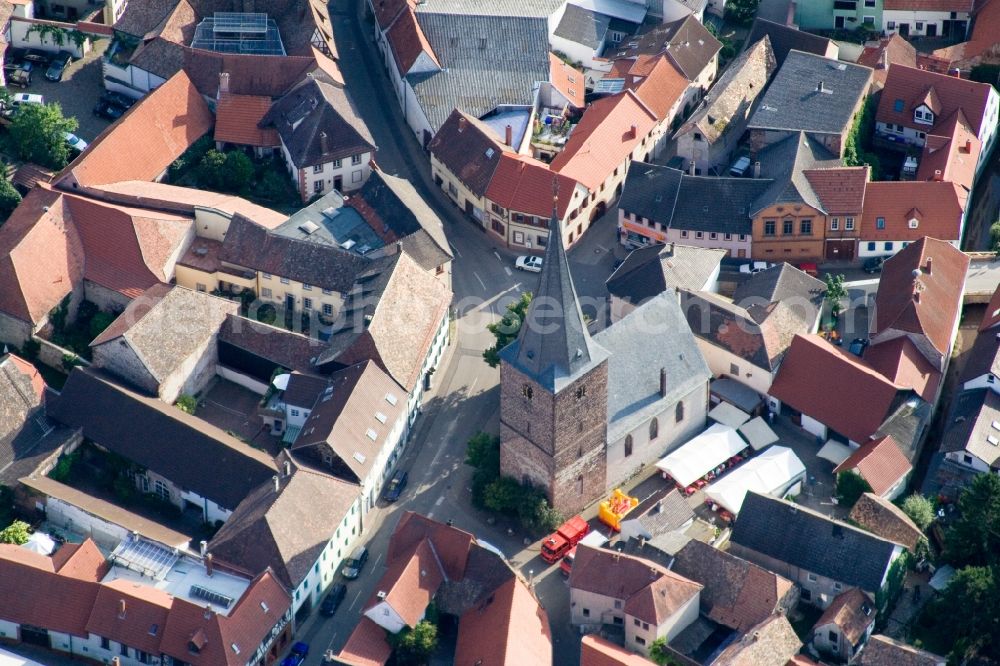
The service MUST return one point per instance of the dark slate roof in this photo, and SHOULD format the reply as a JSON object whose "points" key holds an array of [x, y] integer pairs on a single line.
{"points": [[140, 18], [468, 148], [651, 338], [583, 26], [250, 245], [478, 76], [652, 270], [780, 283], [270, 345], [730, 327], [282, 530], [786, 38], [969, 425], [776, 11], [557, 348], [186, 450], [687, 43], [160, 57], [906, 424], [984, 358], [716, 204], [651, 191], [793, 101], [783, 163], [667, 513], [318, 122], [805, 539]]}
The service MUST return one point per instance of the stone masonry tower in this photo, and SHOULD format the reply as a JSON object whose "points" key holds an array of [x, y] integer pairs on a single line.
{"points": [[553, 393]]}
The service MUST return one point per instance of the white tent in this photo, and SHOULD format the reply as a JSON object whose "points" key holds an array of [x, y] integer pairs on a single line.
{"points": [[41, 543], [729, 415], [702, 454], [770, 473], [835, 452], [758, 433]]}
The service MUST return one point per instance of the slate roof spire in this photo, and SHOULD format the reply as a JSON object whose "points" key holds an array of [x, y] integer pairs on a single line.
{"points": [[554, 346]]}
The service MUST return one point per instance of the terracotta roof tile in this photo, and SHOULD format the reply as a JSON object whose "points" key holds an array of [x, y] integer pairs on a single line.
{"points": [[386, 11], [891, 50], [81, 561], [469, 149], [524, 184], [867, 396], [661, 89], [237, 118], [771, 643], [841, 190], [451, 544], [942, 270], [848, 612], [879, 462], [883, 518], [567, 80], [169, 119], [607, 134], [597, 651], [906, 87], [366, 646], [35, 379], [940, 205], [985, 37], [264, 75], [901, 362], [884, 651], [951, 153], [409, 584], [509, 628], [131, 613], [408, 42]]}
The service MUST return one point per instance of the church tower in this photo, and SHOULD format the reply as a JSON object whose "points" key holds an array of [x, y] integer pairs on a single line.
{"points": [[553, 393]]}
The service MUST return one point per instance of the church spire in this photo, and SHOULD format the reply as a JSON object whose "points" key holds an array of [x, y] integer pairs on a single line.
{"points": [[554, 346]]}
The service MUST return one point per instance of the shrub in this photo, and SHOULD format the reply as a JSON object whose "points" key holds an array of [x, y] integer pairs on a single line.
{"points": [[99, 322], [30, 349], [187, 404], [850, 487], [9, 198], [16, 533], [919, 509]]}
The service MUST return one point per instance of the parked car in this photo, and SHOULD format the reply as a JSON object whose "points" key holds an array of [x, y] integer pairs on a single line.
{"points": [[26, 98], [396, 486], [874, 264], [299, 653], [332, 600], [119, 99], [75, 142], [355, 563], [858, 346], [58, 66], [809, 269], [740, 166], [754, 267], [108, 111], [20, 78], [34, 55], [530, 264]]}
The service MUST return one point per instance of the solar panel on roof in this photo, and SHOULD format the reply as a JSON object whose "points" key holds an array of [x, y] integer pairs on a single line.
{"points": [[211, 596]]}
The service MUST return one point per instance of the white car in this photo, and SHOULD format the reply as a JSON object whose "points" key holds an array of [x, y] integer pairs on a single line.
{"points": [[75, 142], [754, 267], [530, 264]]}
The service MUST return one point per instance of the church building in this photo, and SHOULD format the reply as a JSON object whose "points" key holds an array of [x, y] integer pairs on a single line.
{"points": [[581, 414]]}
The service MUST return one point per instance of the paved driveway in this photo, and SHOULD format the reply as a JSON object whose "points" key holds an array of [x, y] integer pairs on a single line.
{"points": [[82, 85]]}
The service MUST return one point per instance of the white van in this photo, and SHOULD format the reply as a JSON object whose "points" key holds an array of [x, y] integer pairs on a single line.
{"points": [[26, 98]]}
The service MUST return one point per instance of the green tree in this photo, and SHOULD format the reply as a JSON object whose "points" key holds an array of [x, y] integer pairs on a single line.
{"points": [[413, 647], [659, 653], [741, 11], [835, 293], [210, 169], [237, 173], [99, 322], [857, 146], [38, 131], [10, 198], [919, 509], [966, 616], [506, 330], [187, 404], [974, 539], [995, 237], [16, 533], [850, 487]]}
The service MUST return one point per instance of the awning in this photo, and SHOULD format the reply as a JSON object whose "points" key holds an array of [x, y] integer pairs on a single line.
{"points": [[41, 543], [737, 394], [758, 433], [835, 452], [291, 433], [770, 473], [702, 454], [728, 415]]}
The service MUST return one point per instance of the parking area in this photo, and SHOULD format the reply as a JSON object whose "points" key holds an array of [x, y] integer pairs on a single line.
{"points": [[81, 87]]}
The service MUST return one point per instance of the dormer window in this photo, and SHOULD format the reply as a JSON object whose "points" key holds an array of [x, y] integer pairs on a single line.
{"points": [[923, 115], [914, 223]]}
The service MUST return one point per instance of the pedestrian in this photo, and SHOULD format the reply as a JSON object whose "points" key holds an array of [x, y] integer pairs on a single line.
{"points": [[770, 417]]}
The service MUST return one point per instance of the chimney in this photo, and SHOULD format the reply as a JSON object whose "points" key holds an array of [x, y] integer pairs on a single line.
{"points": [[937, 175], [461, 123], [884, 59], [632, 131], [208, 612], [691, 169], [956, 72], [208, 565], [121, 608], [277, 483], [756, 169], [399, 246], [663, 382], [930, 260], [820, 87], [288, 468], [916, 296], [509, 136], [223, 82], [116, 661], [204, 548], [968, 145]]}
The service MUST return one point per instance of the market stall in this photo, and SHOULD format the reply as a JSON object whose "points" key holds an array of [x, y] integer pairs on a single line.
{"points": [[773, 472], [706, 453]]}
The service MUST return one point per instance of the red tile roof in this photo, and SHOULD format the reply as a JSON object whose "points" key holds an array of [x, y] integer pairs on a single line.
{"points": [[913, 86], [386, 11], [985, 36], [450, 543], [567, 80], [929, 304], [891, 50], [951, 153], [901, 362], [661, 88], [847, 611], [937, 207], [407, 40], [237, 120], [879, 462], [129, 612], [813, 370], [31, 372], [366, 646], [169, 120], [841, 190], [80, 561], [469, 149], [509, 629], [607, 134], [597, 651], [409, 584], [524, 184]]}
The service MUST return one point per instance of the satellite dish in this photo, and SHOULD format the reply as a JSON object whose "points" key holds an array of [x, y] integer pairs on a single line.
{"points": [[281, 382]]}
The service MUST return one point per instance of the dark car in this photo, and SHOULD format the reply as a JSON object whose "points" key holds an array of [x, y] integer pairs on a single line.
{"points": [[299, 653], [118, 99], [874, 264], [107, 110], [355, 563], [396, 486], [58, 66], [858, 346], [34, 55], [332, 601]]}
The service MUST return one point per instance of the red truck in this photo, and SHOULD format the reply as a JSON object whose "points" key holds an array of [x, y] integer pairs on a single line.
{"points": [[563, 539], [594, 539]]}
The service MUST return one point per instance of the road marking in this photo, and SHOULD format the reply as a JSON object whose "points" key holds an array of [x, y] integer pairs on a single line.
{"points": [[378, 558], [508, 271], [356, 597], [455, 250], [480, 280], [497, 255]]}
